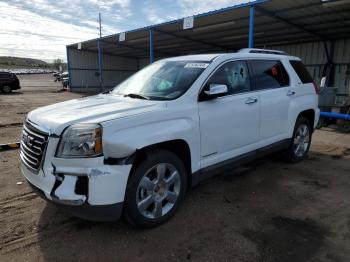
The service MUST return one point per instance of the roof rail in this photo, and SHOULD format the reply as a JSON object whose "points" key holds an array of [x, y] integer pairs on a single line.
{"points": [[261, 51]]}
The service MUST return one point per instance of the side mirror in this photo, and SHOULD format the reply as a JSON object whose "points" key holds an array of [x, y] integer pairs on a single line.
{"points": [[216, 90]]}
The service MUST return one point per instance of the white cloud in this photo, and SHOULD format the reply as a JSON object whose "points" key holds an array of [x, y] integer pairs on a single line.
{"points": [[191, 7], [175, 9], [42, 28], [156, 17], [27, 34], [109, 3]]}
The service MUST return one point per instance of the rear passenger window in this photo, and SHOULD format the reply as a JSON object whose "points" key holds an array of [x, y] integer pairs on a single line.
{"points": [[301, 71], [269, 74]]}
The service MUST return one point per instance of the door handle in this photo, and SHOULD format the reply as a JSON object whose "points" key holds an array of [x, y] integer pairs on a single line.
{"points": [[290, 93], [250, 101]]}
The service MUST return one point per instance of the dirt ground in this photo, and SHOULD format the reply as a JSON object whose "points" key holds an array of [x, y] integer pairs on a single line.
{"points": [[265, 211]]}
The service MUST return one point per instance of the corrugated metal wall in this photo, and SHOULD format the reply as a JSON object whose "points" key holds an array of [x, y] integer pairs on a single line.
{"points": [[83, 67], [314, 57], [342, 69], [144, 62]]}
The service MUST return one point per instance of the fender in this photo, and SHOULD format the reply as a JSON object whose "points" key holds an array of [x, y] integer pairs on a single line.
{"points": [[124, 142], [298, 105]]}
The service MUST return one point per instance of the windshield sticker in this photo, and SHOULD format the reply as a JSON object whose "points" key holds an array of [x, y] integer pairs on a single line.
{"points": [[196, 65]]}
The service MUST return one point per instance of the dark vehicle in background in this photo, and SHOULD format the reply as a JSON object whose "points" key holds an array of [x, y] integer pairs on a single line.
{"points": [[8, 82], [60, 76], [65, 82]]}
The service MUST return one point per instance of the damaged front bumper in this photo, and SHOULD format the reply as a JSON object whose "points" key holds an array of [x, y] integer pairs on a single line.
{"points": [[87, 187], [85, 211]]}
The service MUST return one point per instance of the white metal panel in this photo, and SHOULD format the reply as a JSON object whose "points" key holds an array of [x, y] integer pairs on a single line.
{"points": [[143, 62], [310, 53], [314, 57], [84, 70]]}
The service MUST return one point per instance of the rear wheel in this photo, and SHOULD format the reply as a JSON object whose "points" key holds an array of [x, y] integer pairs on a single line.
{"points": [[7, 89], [301, 141], [155, 189]]}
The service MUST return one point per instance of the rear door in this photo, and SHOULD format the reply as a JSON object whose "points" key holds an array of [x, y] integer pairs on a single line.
{"points": [[4, 78], [272, 82]]}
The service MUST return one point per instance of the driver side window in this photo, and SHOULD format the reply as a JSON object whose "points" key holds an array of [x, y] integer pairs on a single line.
{"points": [[234, 75]]}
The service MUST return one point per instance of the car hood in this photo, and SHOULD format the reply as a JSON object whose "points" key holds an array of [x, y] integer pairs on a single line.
{"points": [[95, 109]]}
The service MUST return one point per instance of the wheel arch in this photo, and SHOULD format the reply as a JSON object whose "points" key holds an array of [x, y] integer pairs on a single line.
{"points": [[309, 114], [177, 146]]}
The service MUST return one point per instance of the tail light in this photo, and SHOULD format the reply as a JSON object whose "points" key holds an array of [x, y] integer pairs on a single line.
{"points": [[317, 90]]}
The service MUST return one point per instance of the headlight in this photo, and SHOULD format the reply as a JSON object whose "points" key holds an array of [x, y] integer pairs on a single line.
{"points": [[81, 140]]}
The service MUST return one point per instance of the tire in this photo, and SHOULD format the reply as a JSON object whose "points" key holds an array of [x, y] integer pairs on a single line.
{"points": [[150, 200], [6, 89], [301, 141]]}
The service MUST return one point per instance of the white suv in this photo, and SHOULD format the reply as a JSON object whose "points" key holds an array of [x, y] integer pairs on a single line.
{"points": [[137, 149]]}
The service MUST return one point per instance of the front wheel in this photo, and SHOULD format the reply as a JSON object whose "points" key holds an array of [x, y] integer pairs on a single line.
{"points": [[7, 89], [155, 189], [301, 141]]}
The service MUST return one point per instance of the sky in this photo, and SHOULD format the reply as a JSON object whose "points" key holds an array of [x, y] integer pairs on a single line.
{"points": [[42, 28]]}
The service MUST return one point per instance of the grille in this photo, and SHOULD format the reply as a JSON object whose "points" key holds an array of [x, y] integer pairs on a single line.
{"points": [[33, 144]]}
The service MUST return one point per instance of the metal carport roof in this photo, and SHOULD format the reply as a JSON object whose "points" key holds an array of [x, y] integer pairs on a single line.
{"points": [[276, 22]]}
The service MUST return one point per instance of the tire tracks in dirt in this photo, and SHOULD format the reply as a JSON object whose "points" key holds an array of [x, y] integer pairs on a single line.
{"points": [[19, 234], [11, 125]]}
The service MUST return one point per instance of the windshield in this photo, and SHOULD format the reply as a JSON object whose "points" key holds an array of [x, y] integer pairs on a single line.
{"points": [[162, 80]]}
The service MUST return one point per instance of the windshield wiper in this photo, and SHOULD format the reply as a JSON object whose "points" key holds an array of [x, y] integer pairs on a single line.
{"points": [[137, 96]]}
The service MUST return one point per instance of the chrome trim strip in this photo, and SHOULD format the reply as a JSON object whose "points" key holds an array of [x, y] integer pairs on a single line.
{"points": [[31, 158], [33, 133], [33, 152], [26, 159], [30, 150], [39, 128]]}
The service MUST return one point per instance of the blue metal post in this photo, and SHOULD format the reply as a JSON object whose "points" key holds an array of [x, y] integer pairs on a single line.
{"points": [[100, 63], [251, 27], [151, 47], [68, 68]]}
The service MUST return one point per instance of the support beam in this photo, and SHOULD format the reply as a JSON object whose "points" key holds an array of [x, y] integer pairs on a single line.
{"points": [[151, 47], [125, 45], [106, 53], [286, 21], [328, 70], [190, 39], [100, 63], [140, 48], [251, 27]]}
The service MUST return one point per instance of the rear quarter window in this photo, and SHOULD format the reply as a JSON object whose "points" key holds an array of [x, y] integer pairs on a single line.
{"points": [[269, 74], [5, 75], [301, 71]]}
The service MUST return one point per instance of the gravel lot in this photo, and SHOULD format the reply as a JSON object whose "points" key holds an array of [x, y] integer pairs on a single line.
{"points": [[265, 211]]}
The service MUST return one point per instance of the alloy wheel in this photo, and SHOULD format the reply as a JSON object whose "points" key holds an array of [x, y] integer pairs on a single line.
{"points": [[158, 190], [301, 140]]}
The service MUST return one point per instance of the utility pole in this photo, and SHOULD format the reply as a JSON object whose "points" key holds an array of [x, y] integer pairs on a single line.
{"points": [[100, 53], [100, 23]]}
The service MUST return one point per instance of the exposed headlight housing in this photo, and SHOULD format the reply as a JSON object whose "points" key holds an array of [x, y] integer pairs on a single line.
{"points": [[80, 141]]}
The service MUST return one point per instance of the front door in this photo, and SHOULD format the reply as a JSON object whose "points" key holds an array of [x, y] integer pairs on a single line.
{"points": [[229, 124]]}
